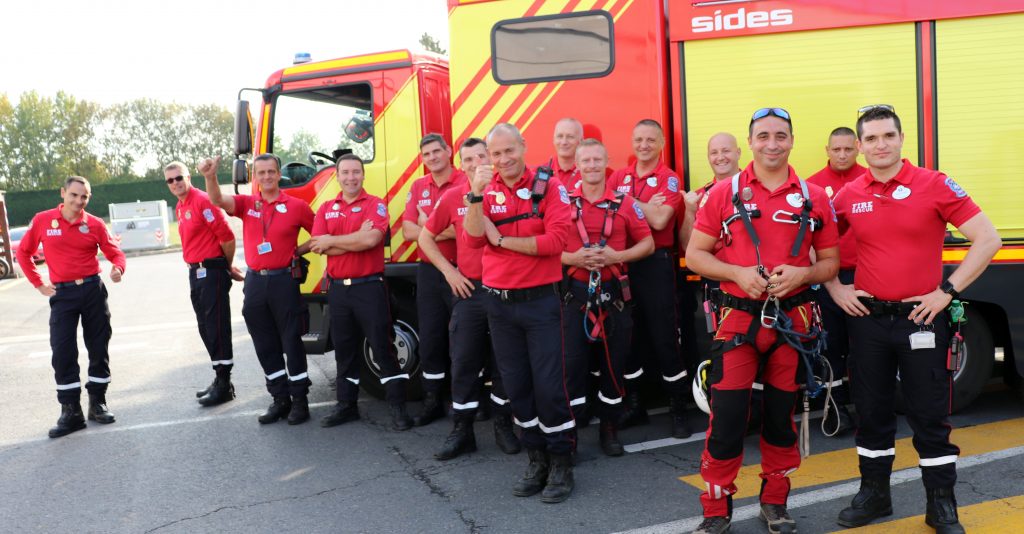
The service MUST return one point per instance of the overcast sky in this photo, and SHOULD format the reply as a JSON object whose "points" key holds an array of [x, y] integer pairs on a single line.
{"points": [[192, 51]]}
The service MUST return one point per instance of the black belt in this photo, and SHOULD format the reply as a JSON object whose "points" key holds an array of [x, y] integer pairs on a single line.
{"points": [[525, 294], [210, 263], [726, 300], [270, 272], [356, 281], [888, 307], [477, 284], [662, 253], [80, 281]]}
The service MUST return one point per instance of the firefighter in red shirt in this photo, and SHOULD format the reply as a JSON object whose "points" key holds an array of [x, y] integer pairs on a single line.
{"points": [[521, 270], [567, 136], [471, 349], [273, 309], [899, 323], [656, 189], [841, 168], [596, 314], [208, 248], [724, 159], [350, 231], [768, 220], [70, 238], [433, 302]]}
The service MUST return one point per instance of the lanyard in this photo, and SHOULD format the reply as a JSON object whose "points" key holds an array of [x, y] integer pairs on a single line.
{"points": [[265, 221]]}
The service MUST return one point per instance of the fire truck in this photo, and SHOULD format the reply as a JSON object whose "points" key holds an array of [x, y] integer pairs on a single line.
{"points": [[952, 70]]}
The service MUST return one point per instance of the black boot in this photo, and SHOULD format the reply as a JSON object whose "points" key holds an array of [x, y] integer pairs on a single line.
{"points": [[71, 419], [343, 413], [609, 436], [941, 512], [871, 502], [433, 409], [400, 419], [203, 392], [98, 409], [278, 410], [300, 410], [680, 428], [221, 391], [461, 440], [504, 436], [634, 413], [536, 475], [560, 481]]}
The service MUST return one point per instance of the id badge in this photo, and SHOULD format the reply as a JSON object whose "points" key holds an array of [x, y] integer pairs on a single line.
{"points": [[922, 340], [200, 273], [263, 248]]}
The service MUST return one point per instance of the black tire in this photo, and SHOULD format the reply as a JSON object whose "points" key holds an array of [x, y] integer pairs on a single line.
{"points": [[978, 360], [407, 346], [5, 269]]}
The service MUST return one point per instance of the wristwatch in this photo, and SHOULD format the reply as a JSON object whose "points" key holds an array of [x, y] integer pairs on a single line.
{"points": [[947, 288], [474, 199], [500, 239]]}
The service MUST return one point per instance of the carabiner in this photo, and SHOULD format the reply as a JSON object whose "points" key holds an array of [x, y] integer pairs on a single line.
{"points": [[791, 218], [768, 321]]}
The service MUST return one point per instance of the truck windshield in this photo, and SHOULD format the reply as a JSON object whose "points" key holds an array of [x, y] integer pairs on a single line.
{"points": [[312, 128]]}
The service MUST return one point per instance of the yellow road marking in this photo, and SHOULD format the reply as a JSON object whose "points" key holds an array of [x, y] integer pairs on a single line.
{"points": [[841, 465], [992, 516]]}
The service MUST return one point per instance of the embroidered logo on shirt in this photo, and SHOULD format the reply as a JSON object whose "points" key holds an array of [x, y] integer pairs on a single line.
{"points": [[381, 209], [53, 233], [208, 215], [955, 188], [862, 207], [254, 213], [673, 184], [563, 195]]}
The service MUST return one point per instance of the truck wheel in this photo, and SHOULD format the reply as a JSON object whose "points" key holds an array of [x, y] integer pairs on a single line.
{"points": [[407, 348], [978, 360], [5, 269]]}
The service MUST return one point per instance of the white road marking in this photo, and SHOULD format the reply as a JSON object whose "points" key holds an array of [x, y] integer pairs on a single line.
{"points": [[808, 498], [137, 329], [93, 430], [669, 442], [4, 286]]}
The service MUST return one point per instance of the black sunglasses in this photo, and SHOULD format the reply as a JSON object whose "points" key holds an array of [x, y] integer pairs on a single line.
{"points": [[773, 112], [177, 178], [866, 109]]}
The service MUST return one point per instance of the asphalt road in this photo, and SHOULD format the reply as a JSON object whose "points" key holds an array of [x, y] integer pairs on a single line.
{"points": [[168, 465]]}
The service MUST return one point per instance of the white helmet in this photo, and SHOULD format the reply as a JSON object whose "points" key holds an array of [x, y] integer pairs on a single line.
{"points": [[700, 387]]}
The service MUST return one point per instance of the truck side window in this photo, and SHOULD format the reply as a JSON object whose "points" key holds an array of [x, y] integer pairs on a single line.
{"points": [[553, 47]]}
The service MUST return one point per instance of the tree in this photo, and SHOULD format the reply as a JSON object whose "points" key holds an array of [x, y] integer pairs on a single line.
{"points": [[432, 45]]}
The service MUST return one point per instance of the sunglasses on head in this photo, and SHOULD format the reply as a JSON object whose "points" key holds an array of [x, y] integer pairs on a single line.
{"points": [[773, 112], [177, 178], [872, 107]]}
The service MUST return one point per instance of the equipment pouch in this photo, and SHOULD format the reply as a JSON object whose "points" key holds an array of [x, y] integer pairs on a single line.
{"points": [[955, 354], [299, 268], [711, 316], [624, 287]]}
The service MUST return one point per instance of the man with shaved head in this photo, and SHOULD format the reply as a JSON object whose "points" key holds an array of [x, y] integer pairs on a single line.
{"points": [[521, 220], [568, 134], [724, 158]]}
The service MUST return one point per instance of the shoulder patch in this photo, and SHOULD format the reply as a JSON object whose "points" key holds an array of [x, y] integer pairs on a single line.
{"points": [[639, 212], [831, 206], [208, 215], [408, 196], [955, 188], [673, 184], [382, 210], [704, 199], [563, 195]]}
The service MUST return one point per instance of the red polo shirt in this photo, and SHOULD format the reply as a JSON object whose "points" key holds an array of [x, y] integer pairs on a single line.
{"points": [[832, 181], [777, 238], [339, 217], [661, 180], [568, 177], [899, 227], [424, 194], [277, 223], [202, 227], [628, 222], [504, 269], [70, 247], [451, 209]]}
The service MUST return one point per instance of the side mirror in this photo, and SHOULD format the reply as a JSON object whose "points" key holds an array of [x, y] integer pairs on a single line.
{"points": [[243, 130], [239, 173], [360, 127]]}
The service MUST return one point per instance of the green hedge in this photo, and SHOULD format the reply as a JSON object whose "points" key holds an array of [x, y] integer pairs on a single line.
{"points": [[22, 205]]}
